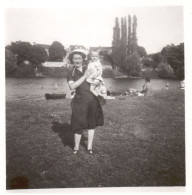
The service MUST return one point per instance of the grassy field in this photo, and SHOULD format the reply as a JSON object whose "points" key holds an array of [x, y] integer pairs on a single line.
{"points": [[141, 144]]}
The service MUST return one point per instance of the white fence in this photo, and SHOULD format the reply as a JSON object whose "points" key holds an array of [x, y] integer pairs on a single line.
{"points": [[55, 64]]}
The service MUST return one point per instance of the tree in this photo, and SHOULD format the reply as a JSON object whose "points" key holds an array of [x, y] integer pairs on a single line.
{"points": [[129, 36], [10, 61], [116, 55], [21, 50], [38, 55], [56, 52], [123, 42], [148, 62], [157, 57], [174, 55], [141, 51], [165, 70], [132, 64], [133, 44]]}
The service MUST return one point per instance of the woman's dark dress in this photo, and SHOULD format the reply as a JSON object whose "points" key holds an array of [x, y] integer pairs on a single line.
{"points": [[86, 110]]}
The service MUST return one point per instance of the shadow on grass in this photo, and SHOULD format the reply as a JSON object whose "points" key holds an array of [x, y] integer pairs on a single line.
{"points": [[65, 133]]}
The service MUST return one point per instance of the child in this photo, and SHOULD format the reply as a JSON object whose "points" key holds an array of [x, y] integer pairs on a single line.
{"points": [[96, 81]]}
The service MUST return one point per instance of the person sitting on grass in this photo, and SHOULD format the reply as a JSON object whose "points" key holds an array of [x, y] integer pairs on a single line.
{"points": [[146, 88]]}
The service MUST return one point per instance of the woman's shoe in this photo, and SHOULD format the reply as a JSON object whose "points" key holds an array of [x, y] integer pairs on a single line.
{"points": [[75, 151], [90, 151]]}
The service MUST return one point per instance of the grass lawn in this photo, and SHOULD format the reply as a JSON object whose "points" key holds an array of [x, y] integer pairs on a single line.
{"points": [[141, 144]]}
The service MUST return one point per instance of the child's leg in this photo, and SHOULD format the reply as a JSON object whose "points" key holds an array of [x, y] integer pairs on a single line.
{"points": [[92, 89], [97, 89]]}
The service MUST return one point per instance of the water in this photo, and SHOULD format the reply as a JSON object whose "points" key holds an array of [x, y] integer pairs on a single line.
{"points": [[37, 87]]}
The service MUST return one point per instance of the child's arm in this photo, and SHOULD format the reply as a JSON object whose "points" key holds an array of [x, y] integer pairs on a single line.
{"points": [[92, 68], [97, 73]]}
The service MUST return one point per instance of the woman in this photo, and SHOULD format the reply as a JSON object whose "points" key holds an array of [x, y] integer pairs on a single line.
{"points": [[86, 110]]}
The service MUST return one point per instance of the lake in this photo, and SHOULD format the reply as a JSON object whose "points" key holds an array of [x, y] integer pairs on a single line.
{"points": [[18, 88]]}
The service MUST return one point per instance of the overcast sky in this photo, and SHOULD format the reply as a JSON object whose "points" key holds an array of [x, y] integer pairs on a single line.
{"points": [[157, 26]]}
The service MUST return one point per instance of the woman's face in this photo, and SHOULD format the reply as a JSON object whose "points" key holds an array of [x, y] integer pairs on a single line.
{"points": [[77, 60]]}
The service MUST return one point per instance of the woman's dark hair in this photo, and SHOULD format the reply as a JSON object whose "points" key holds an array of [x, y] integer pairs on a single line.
{"points": [[71, 56], [147, 79]]}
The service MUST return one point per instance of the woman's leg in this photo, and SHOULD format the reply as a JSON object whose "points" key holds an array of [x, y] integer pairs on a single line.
{"points": [[77, 138], [90, 139]]}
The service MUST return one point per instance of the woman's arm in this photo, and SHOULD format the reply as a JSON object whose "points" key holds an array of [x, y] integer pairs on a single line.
{"points": [[74, 84]]}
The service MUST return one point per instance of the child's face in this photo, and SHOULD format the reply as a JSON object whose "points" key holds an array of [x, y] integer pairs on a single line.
{"points": [[94, 56]]}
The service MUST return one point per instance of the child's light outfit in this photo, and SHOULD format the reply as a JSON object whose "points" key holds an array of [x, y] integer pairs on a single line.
{"points": [[96, 67], [97, 84]]}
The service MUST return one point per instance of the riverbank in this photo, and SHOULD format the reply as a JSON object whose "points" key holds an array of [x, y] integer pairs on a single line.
{"points": [[61, 72], [141, 144], [53, 72]]}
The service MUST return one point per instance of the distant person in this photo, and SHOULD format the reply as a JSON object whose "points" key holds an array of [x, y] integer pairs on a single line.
{"points": [[167, 85], [146, 88], [56, 86], [182, 85], [95, 79]]}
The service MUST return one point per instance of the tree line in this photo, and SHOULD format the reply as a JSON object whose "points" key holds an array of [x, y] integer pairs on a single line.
{"points": [[19, 52], [128, 57], [168, 63]]}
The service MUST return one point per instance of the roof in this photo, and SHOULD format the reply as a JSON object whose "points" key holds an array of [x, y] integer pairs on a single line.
{"points": [[100, 48]]}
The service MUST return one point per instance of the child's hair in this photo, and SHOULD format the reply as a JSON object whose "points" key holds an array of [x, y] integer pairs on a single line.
{"points": [[93, 50]]}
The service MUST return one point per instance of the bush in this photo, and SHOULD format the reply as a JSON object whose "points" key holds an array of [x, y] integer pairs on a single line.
{"points": [[22, 71], [165, 70], [132, 65], [10, 61]]}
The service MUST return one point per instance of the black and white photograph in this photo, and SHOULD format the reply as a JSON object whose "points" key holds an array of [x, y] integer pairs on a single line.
{"points": [[94, 96]]}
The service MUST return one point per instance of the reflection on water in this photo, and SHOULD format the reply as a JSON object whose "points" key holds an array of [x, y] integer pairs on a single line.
{"points": [[37, 87]]}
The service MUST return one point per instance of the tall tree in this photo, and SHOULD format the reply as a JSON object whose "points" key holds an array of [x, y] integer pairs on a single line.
{"points": [[116, 44], [123, 45], [134, 35], [129, 36], [56, 52]]}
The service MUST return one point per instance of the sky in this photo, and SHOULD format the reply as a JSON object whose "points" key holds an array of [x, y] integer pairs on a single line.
{"points": [[157, 26]]}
